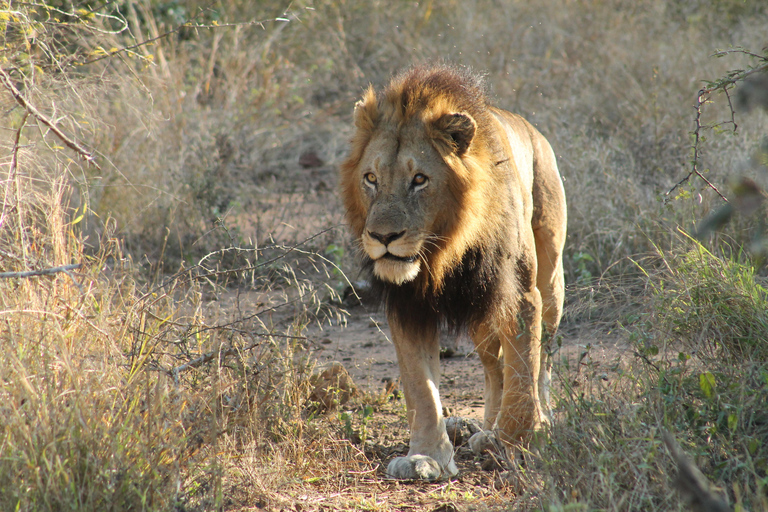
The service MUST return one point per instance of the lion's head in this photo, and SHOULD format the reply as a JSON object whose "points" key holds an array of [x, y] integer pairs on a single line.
{"points": [[419, 160]]}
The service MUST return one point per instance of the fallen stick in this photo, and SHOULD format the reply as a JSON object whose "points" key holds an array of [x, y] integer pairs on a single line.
{"points": [[43, 272], [692, 483]]}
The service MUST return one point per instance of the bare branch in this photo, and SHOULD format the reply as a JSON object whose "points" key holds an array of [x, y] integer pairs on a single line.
{"points": [[14, 166], [703, 95], [74, 146], [701, 99], [43, 272]]}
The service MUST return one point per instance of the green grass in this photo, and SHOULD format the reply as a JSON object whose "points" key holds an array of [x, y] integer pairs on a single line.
{"points": [[715, 305]]}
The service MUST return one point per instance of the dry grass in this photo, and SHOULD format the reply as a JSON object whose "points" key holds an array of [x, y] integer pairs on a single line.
{"points": [[170, 371]]}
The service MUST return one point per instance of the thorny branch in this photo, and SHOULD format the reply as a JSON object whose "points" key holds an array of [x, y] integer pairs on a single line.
{"points": [[701, 99]]}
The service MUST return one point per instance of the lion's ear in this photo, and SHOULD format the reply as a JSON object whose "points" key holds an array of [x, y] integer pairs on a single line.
{"points": [[460, 129], [366, 111]]}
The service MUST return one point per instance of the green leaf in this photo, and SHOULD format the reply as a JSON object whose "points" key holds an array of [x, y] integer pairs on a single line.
{"points": [[707, 384], [733, 422]]}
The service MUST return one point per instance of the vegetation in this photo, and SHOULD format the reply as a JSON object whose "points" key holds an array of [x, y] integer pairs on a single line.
{"points": [[171, 166]]}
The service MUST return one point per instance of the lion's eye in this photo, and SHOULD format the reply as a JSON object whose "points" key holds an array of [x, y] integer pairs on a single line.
{"points": [[370, 178], [419, 180]]}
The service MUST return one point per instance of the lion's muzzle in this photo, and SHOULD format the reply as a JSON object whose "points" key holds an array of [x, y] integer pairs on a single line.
{"points": [[395, 260]]}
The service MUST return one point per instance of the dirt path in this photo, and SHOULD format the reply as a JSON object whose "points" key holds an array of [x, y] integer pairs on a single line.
{"points": [[365, 349]]}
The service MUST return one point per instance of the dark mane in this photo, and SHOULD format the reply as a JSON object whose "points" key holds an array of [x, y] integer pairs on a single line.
{"points": [[474, 283], [469, 293]]}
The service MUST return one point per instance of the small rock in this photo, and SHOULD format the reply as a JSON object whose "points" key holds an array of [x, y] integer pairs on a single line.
{"points": [[455, 427], [310, 159], [333, 387]]}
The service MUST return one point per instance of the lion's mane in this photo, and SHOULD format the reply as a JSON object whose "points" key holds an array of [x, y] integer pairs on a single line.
{"points": [[460, 283]]}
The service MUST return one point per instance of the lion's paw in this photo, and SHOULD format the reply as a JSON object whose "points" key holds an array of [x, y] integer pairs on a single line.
{"points": [[420, 467]]}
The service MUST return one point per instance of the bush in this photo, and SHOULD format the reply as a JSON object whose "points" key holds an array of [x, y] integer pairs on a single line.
{"points": [[714, 305]]}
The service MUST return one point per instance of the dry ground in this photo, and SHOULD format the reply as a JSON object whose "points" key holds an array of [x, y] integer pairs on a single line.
{"points": [[363, 346]]}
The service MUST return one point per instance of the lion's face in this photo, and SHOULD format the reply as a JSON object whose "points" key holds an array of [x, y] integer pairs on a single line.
{"points": [[410, 180], [403, 186]]}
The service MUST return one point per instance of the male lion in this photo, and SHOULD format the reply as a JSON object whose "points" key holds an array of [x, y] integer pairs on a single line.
{"points": [[460, 212]]}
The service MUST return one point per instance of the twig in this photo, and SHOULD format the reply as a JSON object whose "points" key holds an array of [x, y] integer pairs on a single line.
{"points": [[703, 93], [14, 166], [74, 146], [701, 99], [43, 272]]}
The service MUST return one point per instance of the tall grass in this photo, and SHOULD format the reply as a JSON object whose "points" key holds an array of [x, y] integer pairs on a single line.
{"points": [[119, 395], [716, 305], [210, 122]]}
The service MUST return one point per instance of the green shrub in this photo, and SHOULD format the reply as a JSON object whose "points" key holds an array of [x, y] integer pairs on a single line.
{"points": [[715, 305]]}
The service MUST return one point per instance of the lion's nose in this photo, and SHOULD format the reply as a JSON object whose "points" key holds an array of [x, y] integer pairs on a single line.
{"points": [[385, 239]]}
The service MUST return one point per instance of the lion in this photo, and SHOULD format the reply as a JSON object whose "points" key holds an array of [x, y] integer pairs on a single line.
{"points": [[460, 213]]}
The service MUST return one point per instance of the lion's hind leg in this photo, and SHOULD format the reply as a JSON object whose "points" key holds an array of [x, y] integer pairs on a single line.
{"points": [[510, 353], [521, 412], [551, 284]]}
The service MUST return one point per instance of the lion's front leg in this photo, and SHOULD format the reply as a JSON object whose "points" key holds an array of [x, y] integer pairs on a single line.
{"points": [[430, 456]]}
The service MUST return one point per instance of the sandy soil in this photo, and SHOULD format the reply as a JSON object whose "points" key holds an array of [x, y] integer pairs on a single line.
{"points": [[363, 346], [365, 349]]}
